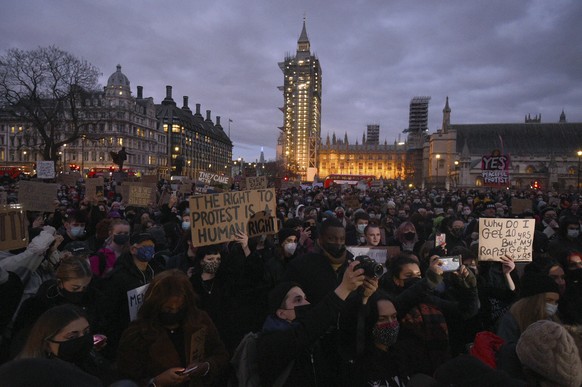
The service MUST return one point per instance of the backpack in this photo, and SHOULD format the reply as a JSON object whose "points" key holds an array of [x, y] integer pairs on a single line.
{"points": [[244, 361]]}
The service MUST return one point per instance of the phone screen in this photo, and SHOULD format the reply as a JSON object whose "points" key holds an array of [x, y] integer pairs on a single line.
{"points": [[188, 371], [450, 263]]}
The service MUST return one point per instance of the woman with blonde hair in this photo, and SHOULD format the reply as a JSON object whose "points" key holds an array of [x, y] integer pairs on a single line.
{"points": [[538, 300], [71, 286], [172, 342]]}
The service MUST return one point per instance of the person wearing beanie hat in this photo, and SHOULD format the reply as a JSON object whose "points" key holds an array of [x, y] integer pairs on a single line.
{"points": [[278, 295], [284, 252], [539, 297], [290, 332], [549, 355]]}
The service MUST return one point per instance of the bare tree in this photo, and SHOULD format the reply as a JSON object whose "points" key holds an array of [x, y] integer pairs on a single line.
{"points": [[45, 88]]}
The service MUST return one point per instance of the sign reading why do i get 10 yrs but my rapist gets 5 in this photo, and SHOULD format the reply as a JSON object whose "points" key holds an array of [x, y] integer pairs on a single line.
{"points": [[499, 237], [217, 218]]}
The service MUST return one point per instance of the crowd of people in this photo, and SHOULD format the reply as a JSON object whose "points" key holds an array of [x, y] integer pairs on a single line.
{"points": [[318, 315]]}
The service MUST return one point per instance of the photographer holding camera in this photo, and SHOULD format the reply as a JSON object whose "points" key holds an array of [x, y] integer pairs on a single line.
{"points": [[319, 273], [287, 350]]}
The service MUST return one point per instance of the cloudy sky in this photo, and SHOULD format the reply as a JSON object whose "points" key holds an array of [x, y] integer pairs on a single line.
{"points": [[497, 60]]}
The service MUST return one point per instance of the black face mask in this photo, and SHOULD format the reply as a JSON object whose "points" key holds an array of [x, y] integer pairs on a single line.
{"points": [[408, 282], [301, 311], [168, 318], [120, 239], [336, 250], [409, 236], [73, 297], [75, 350]]}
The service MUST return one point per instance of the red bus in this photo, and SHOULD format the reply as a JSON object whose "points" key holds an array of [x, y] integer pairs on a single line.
{"points": [[105, 172], [347, 179], [14, 171]]}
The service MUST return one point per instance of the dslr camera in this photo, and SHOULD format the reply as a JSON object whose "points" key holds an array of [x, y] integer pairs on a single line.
{"points": [[371, 267]]}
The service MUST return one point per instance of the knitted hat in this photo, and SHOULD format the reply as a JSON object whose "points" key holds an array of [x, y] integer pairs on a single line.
{"points": [[278, 294], [533, 283], [285, 233], [546, 348]]}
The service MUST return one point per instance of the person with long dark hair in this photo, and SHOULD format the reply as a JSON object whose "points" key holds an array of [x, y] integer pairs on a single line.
{"points": [[172, 342], [63, 333]]}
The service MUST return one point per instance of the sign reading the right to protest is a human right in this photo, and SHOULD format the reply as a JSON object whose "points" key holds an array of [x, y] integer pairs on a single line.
{"points": [[499, 237], [219, 217]]}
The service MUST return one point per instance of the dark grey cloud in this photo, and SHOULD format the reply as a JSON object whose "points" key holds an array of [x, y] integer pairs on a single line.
{"points": [[496, 60]]}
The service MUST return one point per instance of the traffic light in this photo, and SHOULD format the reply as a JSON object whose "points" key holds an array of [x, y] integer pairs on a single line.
{"points": [[286, 178], [536, 184]]}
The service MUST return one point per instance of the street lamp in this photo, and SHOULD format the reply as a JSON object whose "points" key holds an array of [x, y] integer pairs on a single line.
{"points": [[579, 153], [438, 157]]}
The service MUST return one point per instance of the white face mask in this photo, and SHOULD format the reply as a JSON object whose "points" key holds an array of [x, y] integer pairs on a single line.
{"points": [[573, 233], [185, 226], [290, 248], [551, 309], [361, 228]]}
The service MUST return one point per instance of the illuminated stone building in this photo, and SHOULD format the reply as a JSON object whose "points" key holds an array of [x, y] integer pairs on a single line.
{"points": [[115, 118], [301, 109], [417, 132], [195, 141], [548, 154], [381, 160]]}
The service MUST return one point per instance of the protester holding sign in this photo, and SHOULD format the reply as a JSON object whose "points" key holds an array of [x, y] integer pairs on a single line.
{"points": [[133, 270], [538, 300], [172, 342]]}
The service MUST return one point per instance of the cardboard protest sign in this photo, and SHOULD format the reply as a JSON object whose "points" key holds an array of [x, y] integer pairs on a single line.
{"points": [[185, 187], [218, 217], [498, 237], [518, 206], [13, 227], [256, 182], [150, 179], [140, 195], [45, 169], [37, 196], [70, 179], [164, 198], [212, 178], [94, 188], [201, 188], [378, 254], [135, 298]]}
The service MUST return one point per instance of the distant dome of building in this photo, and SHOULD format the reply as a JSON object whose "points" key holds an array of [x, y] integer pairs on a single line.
{"points": [[118, 79]]}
